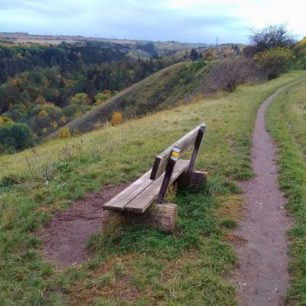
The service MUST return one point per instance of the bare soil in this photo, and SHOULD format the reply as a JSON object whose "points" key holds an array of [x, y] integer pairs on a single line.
{"points": [[65, 236], [262, 278]]}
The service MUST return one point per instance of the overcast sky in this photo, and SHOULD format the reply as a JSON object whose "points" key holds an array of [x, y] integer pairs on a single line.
{"points": [[182, 20]]}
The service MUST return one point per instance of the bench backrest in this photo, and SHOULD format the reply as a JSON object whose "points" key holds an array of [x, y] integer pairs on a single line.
{"points": [[185, 143]]}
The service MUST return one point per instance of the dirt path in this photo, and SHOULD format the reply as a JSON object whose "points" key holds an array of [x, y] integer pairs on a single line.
{"points": [[65, 236], [262, 278]]}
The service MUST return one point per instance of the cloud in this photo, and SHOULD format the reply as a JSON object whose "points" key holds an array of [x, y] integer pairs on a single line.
{"points": [[184, 20]]}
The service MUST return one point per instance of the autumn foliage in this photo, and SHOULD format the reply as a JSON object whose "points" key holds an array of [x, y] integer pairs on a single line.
{"points": [[116, 118]]}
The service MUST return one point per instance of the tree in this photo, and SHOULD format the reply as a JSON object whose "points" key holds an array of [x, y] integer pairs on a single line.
{"points": [[210, 55], [16, 136], [80, 98], [102, 96], [300, 53], [116, 118], [274, 36], [194, 55], [274, 61]]}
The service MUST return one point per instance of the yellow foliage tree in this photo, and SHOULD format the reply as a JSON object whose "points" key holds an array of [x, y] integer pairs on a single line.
{"points": [[64, 132], [63, 120], [4, 120], [43, 113], [116, 118], [300, 47], [274, 61]]}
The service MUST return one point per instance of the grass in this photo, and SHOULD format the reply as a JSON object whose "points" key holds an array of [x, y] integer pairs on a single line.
{"points": [[131, 266], [287, 123]]}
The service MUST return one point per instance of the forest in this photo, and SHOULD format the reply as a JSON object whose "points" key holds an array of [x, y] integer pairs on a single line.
{"points": [[44, 87]]}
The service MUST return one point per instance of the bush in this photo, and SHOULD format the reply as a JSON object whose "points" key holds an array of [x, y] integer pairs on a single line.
{"points": [[64, 132], [273, 62], [116, 118], [300, 53], [229, 73], [15, 136], [194, 55]]}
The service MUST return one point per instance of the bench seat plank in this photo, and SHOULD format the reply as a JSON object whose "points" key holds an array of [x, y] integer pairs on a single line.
{"points": [[118, 202], [142, 202]]}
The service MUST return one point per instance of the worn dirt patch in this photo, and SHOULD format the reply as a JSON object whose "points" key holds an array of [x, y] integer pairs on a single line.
{"points": [[262, 278], [65, 236]]}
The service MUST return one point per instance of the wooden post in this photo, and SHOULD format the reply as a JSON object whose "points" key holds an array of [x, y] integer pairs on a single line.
{"points": [[175, 153], [195, 151]]}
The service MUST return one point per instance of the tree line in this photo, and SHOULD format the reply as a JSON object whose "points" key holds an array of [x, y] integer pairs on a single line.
{"points": [[44, 87]]}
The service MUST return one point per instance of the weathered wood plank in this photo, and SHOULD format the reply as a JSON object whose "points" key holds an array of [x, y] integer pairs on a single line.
{"points": [[143, 201], [184, 144], [118, 202]]}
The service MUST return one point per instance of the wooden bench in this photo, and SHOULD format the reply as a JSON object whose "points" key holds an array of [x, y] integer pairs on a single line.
{"points": [[151, 188]]}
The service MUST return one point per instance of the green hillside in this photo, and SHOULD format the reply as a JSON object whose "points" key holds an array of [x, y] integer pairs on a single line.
{"points": [[131, 265], [162, 90]]}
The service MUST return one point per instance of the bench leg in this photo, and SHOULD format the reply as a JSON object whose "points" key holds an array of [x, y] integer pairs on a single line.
{"points": [[160, 216], [195, 179]]}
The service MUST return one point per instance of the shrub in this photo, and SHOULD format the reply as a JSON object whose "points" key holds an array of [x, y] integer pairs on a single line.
{"points": [[15, 136], [229, 73], [194, 55], [116, 118], [1, 121], [273, 62], [102, 96], [64, 132], [210, 55], [4, 120], [300, 47], [300, 53], [80, 98]]}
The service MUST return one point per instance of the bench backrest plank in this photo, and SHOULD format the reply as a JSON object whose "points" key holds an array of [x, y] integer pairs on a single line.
{"points": [[185, 143]]}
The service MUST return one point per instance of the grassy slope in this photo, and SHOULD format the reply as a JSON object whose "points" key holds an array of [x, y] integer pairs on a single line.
{"points": [[287, 122], [161, 90], [132, 266]]}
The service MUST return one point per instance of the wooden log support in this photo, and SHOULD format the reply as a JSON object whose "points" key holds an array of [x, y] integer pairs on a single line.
{"points": [[160, 216], [194, 180]]}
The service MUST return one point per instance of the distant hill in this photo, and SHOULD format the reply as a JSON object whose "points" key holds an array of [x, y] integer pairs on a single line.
{"points": [[137, 48], [162, 90]]}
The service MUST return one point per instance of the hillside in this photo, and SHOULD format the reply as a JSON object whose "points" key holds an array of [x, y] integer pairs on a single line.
{"points": [[131, 265], [161, 90], [44, 87]]}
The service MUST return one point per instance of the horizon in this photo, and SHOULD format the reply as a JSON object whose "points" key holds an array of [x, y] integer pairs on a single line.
{"points": [[112, 38], [193, 21]]}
